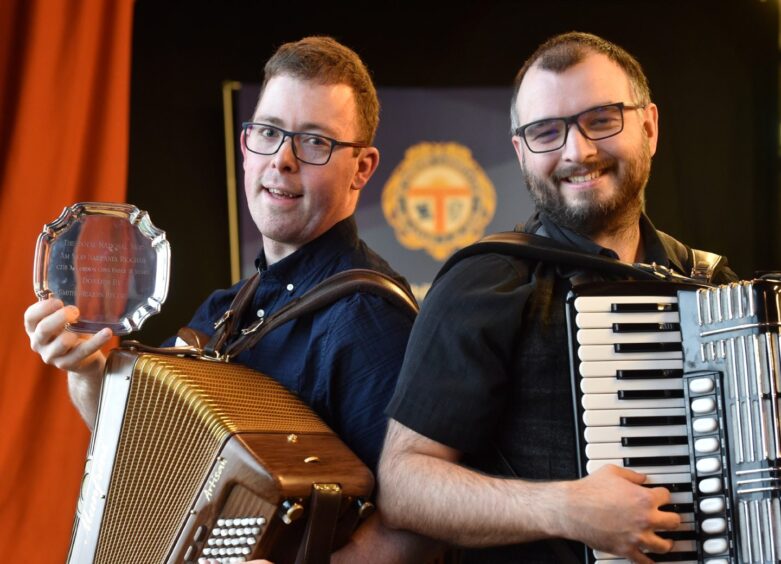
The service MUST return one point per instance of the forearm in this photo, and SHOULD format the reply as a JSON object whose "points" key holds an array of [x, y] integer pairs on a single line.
{"points": [[84, 390], [444, 500], [374, 542]]}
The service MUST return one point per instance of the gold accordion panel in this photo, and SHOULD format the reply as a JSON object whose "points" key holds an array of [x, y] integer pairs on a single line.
{"points": [[183, 447]]}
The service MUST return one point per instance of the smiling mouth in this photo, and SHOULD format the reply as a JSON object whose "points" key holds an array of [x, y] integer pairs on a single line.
{"points": [[277, 193], [582, 178]]}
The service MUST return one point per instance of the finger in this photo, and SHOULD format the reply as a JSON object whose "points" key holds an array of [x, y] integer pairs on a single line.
{"points": [[667, 520], [54, 324], [631, 475], [83, 350], [638, 557], [654, 543], [38, 311]]}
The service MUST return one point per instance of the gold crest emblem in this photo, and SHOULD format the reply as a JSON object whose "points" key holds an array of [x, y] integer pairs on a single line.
{"points": [[438, 198]]}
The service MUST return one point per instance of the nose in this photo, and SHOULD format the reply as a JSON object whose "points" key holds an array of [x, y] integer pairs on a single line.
{"points": [[285, 158], [578, 147]]}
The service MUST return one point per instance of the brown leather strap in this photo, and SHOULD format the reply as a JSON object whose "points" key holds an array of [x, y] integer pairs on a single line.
{"points": [[226, 325], [318, 536], [326, 293]]}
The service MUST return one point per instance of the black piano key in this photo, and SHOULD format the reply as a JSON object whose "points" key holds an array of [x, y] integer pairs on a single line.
{"points": [[645, 327], [678, 535], [678, 507], [647, 347], [636, 461], [642, 308], [652, 421], [648, 374], [672, 488], [654, 441], [673, 556], [649, 394]]}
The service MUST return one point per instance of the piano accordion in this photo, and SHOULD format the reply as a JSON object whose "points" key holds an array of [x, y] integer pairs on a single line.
{"points": [[193, 460], [681, 382]]}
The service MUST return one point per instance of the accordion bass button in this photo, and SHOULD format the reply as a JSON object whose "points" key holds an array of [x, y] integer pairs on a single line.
{"points": [[715, 546], [705, 424], [707, 444], [712, 505], [714, 525], [708, 465], [701, 385], [710, 485], [703, 405]]}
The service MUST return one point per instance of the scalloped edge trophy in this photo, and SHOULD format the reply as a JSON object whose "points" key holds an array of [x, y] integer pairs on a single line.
{"points": [[107, 259]]}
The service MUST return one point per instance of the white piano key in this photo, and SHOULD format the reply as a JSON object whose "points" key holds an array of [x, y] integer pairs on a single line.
{"points": [[611, 385], [611, 401], [616, 450], [606, 320], [616, 433], [680, 478], [594, 465], [605, 303], [612, 417], [678, 546], [607, 352], [597, 369], [608, 336]]}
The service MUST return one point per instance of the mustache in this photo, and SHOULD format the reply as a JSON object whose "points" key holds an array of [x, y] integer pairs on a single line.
{"points": [[582, 169]]}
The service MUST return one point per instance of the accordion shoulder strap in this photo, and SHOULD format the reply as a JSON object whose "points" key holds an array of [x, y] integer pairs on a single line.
{"points": [[536, 247], [702, 264], [325, 293]]}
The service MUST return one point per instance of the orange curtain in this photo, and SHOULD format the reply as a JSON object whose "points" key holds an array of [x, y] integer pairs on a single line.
{"points": [[64, 101]]}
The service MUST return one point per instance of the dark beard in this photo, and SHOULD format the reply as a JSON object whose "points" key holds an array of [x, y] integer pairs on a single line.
{"points": [[594, 216]]}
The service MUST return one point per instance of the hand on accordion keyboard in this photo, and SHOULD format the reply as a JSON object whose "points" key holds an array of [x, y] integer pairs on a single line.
{"points": [[611, 511]]}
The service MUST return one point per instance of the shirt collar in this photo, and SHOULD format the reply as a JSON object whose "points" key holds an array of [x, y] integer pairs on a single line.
{"points": [[653, 249], [315, 255]]}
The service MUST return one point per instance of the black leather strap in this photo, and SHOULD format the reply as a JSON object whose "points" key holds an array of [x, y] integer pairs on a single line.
{"points": [[315, 547]]}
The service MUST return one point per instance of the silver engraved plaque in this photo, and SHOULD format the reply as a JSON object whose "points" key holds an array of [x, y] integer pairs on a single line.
{"points": [[108, 260]]}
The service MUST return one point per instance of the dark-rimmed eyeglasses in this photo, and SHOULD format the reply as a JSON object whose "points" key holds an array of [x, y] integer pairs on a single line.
{"points": [[265, 139], [596, 123]]}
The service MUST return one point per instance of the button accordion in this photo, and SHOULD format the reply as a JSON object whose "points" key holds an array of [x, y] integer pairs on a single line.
{"points": [[194, 460], [681, 382]]}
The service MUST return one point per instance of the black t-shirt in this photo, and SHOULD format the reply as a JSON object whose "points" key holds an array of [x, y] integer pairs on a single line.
{"points": [[486, 370]]}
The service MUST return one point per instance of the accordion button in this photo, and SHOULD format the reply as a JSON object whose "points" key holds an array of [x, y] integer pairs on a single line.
{"points": [[705, 424], [701, 385], [712, 505], [708, 465], [710, 485], [703, 405], [714, 526], [717, 561], [715, 546], [707, 444]]}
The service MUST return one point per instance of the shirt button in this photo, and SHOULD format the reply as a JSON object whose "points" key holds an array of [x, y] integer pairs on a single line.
{"points": [[290, 287], [261, 312]]}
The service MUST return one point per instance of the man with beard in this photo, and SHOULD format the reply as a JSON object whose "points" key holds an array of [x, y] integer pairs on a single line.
{"points": [[484, 395]]}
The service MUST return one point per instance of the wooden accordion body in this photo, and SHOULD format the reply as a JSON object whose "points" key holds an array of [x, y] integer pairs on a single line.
{"points": [[192, 459]]}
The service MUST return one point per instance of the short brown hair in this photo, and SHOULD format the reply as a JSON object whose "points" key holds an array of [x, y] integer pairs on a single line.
{"points": [[563, 51], [325, 60]]}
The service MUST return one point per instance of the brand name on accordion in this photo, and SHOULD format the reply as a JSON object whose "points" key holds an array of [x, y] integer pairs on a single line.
{"points": [[211, 484]]}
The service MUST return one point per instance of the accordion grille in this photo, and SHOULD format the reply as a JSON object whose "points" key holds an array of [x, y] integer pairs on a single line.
{"points": [[182, 410]]}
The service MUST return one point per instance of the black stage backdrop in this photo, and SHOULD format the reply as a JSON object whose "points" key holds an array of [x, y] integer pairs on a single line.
{"points": [[712, 65]]}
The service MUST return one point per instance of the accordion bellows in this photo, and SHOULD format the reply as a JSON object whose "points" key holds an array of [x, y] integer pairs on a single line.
{"points": [[182, 446]]}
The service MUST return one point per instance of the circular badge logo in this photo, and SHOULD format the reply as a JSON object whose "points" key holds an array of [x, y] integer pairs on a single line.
{"points": [[438, 199]]}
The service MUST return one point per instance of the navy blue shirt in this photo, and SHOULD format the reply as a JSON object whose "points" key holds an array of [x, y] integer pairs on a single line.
{"points": [[343, 360]]}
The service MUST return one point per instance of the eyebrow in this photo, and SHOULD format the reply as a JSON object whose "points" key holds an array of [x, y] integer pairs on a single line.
{"points": [[305, 127]]}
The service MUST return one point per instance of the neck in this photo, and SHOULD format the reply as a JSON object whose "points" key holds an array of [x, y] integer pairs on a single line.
{"points": [[625, 240], [275, 251]]}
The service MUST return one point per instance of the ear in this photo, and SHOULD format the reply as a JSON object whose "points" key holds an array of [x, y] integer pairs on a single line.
{"points": [[243, 150], [651, 125], [365, 166], [518, 146]]}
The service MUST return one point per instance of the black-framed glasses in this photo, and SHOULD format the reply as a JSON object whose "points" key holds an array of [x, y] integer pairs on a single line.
{"points": [[310, 148], [596, 123]]}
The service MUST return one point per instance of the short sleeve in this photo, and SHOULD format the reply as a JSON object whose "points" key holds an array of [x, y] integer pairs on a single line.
{"points": [[454, 379]]}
